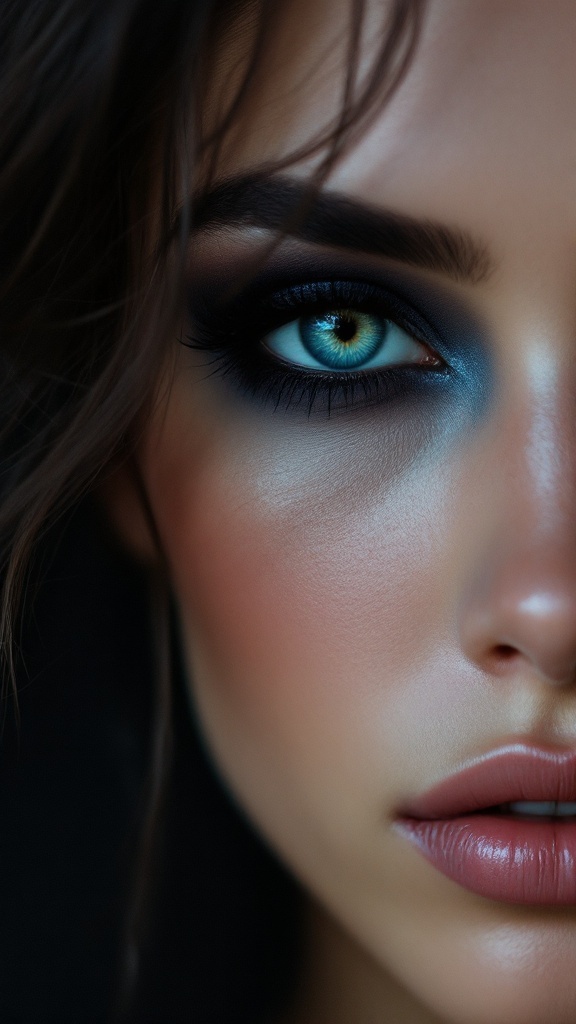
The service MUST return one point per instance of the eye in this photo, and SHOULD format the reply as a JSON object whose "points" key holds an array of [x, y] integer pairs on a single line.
{"points": [[347, 339]]}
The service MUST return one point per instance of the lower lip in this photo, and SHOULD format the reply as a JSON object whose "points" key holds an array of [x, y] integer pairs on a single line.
{"points": [[502, 858]]}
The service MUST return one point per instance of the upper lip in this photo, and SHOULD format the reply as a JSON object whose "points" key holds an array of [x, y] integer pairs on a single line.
{"points": [[517, 771]]}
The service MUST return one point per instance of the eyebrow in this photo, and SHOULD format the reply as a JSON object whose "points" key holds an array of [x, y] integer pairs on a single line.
{"points": [[323, 217]]}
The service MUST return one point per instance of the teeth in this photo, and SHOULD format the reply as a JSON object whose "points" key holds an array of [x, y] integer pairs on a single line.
{"points": [[540, 807], [543, 808], [569, 807]]}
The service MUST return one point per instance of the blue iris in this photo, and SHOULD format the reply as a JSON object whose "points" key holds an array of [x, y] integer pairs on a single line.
{"points": [[343, 339]]}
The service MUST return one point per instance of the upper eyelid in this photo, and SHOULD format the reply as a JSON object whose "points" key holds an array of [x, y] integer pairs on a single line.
{"points": [[381, 299], [252, 267]]}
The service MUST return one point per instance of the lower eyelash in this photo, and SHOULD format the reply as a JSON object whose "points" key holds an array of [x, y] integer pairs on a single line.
{"points": [[283, 388]]}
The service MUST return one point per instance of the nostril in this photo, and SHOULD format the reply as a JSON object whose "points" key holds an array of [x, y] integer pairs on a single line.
{"points": [[518, 614], [505, 652], [503, 658]]}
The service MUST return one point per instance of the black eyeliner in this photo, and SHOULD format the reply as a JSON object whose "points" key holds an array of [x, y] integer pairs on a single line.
{"points": [[231, 332]]}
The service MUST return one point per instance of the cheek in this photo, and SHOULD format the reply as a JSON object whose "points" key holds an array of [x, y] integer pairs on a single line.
{"points": [[310, 568], [315, 569]]}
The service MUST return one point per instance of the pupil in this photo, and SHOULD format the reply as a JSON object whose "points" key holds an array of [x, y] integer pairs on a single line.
{"points": [[345, 328]]}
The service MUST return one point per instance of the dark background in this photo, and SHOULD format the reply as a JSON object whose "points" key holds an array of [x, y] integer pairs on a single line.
{"points": [[222, 933]]}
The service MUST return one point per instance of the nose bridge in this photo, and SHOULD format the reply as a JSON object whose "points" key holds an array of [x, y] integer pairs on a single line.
{"points": [[520, 604], [547, 460], [533, 458]]}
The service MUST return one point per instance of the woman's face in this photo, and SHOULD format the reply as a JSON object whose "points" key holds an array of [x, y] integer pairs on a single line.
{"points": [[369, 508]]}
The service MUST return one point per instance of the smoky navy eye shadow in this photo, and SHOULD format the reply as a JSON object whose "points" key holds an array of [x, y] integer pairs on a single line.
{"points": [[464, 339], [230, 313]]}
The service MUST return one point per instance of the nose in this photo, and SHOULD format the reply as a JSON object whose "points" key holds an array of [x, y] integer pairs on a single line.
{"points": [[518, 612]]}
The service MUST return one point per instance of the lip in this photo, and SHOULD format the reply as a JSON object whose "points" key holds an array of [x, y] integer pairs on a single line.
{"points": [[500, 857]]}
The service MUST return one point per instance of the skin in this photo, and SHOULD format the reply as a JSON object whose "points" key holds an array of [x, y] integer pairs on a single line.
{"points": [[369, 600]]}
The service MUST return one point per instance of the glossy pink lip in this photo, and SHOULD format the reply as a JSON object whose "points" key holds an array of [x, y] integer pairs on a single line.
{"points": [[501, 857]]}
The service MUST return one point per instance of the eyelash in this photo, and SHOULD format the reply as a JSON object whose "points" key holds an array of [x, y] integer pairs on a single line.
{"points": [[232, 333]]}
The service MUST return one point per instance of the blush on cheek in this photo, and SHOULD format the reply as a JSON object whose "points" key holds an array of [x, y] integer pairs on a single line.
{"points": [[247, 609], [307, 563]]}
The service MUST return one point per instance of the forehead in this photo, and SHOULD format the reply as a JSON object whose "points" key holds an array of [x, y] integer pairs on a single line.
{"points": [[486, 111]]}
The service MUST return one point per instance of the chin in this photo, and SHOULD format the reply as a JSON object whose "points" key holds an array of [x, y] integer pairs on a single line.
{"points": [[511, 976]]}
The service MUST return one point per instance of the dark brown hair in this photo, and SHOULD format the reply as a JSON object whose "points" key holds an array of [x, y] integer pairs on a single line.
{"points": [[101, 130]]}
